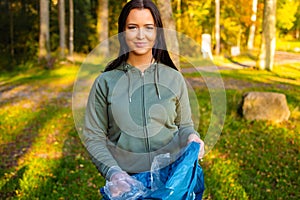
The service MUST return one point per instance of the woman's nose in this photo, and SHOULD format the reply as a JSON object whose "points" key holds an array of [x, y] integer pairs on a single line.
{"points": [[141, 33]]}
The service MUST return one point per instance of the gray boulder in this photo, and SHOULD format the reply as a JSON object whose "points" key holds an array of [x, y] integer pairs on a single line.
{"points": [[268, 106]]}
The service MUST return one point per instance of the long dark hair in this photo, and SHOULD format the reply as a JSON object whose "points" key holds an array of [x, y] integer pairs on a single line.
{"points": [[159, 50]]}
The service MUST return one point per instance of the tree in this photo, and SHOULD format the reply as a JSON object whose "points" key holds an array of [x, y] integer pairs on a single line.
{"points": [[11, 29], [250, 43], [71, 28], [85, 35], [179, 12], [165, 9], [217, 27], [102, 27], [297, 24], [61, 21], [44, 38], [268, 43]]}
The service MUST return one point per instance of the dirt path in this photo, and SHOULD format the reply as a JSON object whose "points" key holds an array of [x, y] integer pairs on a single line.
{"points": [[10, 94], [281, 57]]}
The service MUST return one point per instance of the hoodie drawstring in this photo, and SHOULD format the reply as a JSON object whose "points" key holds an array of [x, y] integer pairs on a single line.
{"points": [[156, 81], [129, 86]]}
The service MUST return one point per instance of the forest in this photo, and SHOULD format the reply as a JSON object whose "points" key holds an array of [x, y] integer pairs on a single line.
{"points": [[49, 59], [81, 25]]}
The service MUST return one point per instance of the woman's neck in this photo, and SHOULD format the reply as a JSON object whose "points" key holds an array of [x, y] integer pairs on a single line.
{"points": [[141, 62]]}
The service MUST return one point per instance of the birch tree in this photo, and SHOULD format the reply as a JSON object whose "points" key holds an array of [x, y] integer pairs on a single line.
{"points": [[217, 27], [61, 21], [268, 43], [71, 28], [250, 43], [44, 37]]}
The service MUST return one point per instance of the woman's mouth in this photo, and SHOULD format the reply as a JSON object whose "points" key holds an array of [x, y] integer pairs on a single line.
{"points": [[140, 44]]}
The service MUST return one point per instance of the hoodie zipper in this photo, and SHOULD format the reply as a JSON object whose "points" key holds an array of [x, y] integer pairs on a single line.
{"points": [[147, 143]]}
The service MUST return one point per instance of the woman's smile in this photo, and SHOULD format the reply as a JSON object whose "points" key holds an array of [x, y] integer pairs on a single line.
{"points": [[140, 44]]}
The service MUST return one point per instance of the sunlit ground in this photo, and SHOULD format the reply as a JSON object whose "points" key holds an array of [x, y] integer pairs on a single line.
{"points": [[42, 155]]}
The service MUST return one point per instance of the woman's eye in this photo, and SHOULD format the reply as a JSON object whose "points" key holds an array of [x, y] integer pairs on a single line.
{"points": [[132, 27], [149, 27]]}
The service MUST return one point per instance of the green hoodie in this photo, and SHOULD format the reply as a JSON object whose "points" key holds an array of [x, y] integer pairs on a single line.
{"points": [[133, 116]]}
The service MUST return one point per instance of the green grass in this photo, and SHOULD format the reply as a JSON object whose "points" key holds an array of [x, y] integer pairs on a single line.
{"points": [[288, 45], [254, 159], [42, 156]]}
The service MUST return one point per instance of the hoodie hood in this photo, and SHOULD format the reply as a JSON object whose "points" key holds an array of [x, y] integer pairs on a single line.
{"points": [[129, 70]]}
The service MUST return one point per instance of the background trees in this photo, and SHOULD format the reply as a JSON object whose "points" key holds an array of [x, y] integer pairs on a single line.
{"points": [[24, 35]]}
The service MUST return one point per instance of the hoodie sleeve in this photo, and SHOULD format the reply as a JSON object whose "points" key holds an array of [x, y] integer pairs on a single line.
{"points": [[184, 117], [96, 126]]}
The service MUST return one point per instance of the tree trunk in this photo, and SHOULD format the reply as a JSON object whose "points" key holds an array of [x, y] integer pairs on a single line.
{"points": [[268, 43], [44, 42], [179, 12], [11, 29], [165, 9], [251, 38], [71, 29], [62, 34], [102, 27], [217, 27]]}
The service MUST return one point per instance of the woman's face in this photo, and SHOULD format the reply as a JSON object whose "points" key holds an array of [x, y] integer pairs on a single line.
{"points": [[140, 32]]}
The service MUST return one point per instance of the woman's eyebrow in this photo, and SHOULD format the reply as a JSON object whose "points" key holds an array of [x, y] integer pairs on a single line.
{"points": [[150, 24]]}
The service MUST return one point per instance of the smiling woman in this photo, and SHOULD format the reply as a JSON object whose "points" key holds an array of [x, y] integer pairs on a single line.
{"points": [[140, 36], [139, 107]]}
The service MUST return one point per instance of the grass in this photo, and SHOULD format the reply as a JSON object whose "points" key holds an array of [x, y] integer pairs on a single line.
{"points": [[254, 159], [288, 45], [43, 158]]}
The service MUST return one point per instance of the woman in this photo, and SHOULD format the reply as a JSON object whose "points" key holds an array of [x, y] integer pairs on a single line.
{"points": [[139, 107]]}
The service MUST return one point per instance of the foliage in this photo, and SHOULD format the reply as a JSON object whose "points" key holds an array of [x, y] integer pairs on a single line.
{"points": [[22, 42], [286, 14], [20, 30], [85, 38], [197, 14], [19, 24], [115, 7]]}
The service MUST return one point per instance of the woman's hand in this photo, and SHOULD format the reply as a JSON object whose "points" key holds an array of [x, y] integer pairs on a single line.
{"points": [[120, 183], [195, 138]]}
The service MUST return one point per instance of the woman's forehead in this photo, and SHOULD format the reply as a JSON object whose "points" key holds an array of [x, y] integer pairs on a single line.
{"points": [[140, 16]]}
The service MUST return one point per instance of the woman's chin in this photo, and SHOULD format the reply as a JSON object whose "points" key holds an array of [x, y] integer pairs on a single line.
{"points": [[141, 51]]}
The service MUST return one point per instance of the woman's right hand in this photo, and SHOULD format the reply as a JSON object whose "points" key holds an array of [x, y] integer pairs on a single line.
{"points": [[121, 182]]}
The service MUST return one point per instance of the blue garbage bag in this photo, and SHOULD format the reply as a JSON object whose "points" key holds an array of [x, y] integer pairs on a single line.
{"points": [[181, 180]]}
